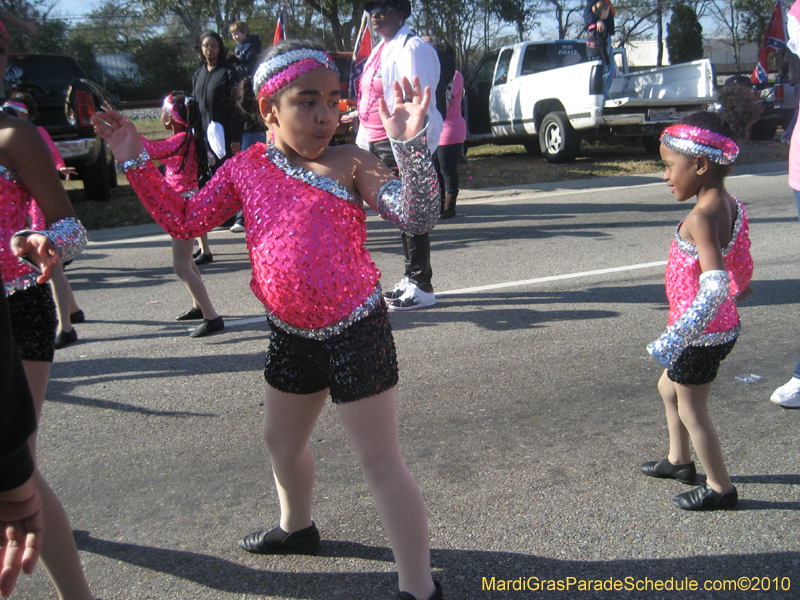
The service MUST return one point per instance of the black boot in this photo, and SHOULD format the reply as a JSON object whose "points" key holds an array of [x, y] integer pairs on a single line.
{"points": [[449, 210]]}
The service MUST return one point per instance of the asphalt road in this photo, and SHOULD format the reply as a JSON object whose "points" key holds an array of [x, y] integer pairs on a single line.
{"points": [[527, 402]]}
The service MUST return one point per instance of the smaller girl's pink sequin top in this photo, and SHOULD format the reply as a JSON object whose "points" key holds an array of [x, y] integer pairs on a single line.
{"points": [[16, 203], [37, 218], [683, 274], [305, 234], [170, 153]]}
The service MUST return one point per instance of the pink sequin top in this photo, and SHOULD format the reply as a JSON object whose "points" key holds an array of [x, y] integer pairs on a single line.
{"points": [[167, 152], [683, 274], [16, 202], [305, 233], [53, 150]]}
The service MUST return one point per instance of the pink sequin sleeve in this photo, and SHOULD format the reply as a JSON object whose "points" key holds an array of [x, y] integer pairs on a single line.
{"points": [[181, 217], [60, 164]]}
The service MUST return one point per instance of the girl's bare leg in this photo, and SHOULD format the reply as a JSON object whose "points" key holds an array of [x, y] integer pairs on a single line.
{"points": [[62, 294], [693, 410], [188, 273], [205, 247], [59, 553], [679, 452], [371, 426], [288, 422]]}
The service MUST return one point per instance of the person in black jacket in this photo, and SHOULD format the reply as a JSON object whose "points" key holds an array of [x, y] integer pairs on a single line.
{"points": [[20, 504], [214, 87], [598, 16]]}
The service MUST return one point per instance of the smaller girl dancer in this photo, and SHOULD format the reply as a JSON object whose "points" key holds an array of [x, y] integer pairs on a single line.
{"points": [[708, 270], [186, 168], [305, 229]]}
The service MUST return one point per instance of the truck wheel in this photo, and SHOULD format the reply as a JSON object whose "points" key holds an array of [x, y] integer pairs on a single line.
{"points": [[652, 145], [763, 131], [95, 178], [558, 141], [533, 147], [112, 174]]}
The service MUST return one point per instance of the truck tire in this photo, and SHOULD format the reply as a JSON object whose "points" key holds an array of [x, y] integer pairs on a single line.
{"points": [[532, 147], [652, 144], [559, 142], [95, 178], [112, 174], [763, 131]]}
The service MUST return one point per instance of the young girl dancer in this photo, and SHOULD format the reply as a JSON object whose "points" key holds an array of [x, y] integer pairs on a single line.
{"points": [[708, 270], [305, 230], [23, 106], [186, 168], [27, 171]]}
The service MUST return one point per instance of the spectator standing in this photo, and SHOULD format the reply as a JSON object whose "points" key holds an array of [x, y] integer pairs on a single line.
{"points": [[598, 15], [451, 142], [401, 53], [248, 48]]}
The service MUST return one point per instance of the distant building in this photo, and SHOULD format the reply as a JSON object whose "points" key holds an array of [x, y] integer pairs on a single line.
{"points": [[644, 53]]}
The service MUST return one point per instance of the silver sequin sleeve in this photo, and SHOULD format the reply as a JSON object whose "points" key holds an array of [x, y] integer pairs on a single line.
{"points": [[66, 234], [412, 203], [691, 324]]}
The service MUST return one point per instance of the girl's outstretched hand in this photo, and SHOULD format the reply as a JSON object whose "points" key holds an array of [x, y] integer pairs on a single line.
{"points": [[410, 106], [120, 134], [37, 250]]}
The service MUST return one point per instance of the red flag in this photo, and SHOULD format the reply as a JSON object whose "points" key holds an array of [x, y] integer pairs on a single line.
{"points": [[360, 55], [280, 29], [775, 38]]}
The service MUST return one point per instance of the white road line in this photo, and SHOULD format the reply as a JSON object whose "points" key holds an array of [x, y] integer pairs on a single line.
{"points": [[524, 282], [523, 194]]}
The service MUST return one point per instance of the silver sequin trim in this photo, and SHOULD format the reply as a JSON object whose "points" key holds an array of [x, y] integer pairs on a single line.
{"points": [[413, 203], [324, 333], [189, 194], [9, 174], [23, 282], [691, 250], [321, 182], [134, 163], [691, 324], [695, 148], [69, 235]]}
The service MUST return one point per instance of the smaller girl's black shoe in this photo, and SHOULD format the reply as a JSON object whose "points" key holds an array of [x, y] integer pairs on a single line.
{"points": [[203, 258], [705, 497], [278, 541], [437, 595], [193, 314], [663, 469], [64, 338]]}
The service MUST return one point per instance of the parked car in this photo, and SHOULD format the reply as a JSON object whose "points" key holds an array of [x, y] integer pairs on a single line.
{"points": [[548, 96], [67, 100], [777, 101]]}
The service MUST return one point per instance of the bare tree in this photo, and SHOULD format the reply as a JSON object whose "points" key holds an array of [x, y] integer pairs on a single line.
{"points": [[728, 18]]}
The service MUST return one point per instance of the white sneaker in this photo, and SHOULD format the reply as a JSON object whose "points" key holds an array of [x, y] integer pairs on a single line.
{"points": [[237, 228], [398, 290], [413, 298], [788, 395]]}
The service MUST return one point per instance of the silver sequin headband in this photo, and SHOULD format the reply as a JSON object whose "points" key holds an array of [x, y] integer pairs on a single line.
{"points": [[280, 70], [696, 141]]}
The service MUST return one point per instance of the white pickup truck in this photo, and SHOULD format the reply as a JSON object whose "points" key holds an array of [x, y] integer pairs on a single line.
{"points": [[548, 96]]}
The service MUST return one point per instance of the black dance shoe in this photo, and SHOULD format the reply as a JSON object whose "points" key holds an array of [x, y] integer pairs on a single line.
{"points": [[197, 253], [207, 327], [277, 541], [64, 338], [77, 317], [664, 469], [706, 498], [204, 258], [437, 595], [193, 314]]}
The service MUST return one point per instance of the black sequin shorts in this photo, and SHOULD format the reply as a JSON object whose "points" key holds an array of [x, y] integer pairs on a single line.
{"points": [[699, 364], [360, 362], [33, 322]]}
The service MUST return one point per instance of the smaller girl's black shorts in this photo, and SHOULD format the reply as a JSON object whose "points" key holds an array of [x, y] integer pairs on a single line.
{"points": [[699, 364], [33, 322], [358, 363]]}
